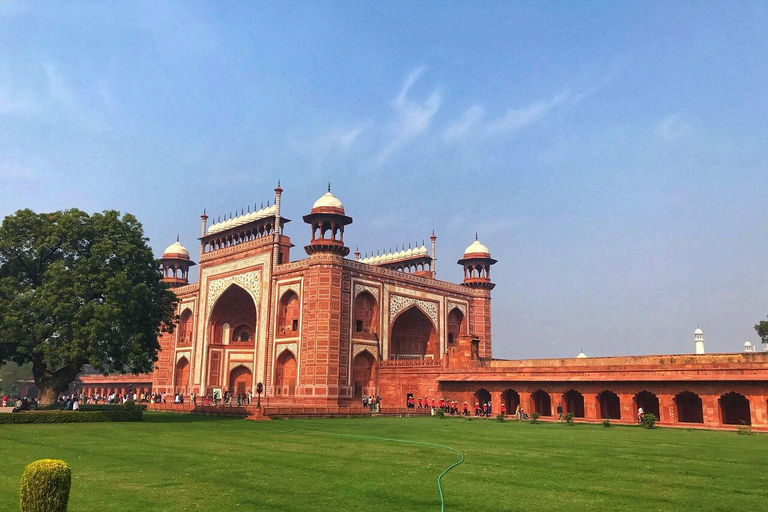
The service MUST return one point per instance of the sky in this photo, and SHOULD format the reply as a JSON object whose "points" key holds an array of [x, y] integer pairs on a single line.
{"points": [[614, 158]]}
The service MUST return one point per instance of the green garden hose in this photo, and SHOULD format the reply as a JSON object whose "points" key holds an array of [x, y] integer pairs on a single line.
{"points": [[423, 443]]}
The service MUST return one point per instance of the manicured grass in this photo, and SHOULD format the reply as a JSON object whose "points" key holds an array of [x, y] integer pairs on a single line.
{"points": [[175, 463]]}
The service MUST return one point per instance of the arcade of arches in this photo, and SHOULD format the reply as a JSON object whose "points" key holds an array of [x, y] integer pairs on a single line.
{"points": [[413, 336], [591, 403]]}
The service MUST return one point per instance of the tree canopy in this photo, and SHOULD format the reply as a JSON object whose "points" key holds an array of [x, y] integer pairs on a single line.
{"points": [[762, 330], [79, 289]]}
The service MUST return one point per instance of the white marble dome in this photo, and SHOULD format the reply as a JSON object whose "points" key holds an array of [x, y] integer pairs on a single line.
{"points": [[328, 200], [477, 248], [176, 248]]}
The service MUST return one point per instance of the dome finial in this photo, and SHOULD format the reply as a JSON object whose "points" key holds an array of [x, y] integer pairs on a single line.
{"points": [[475, 235], [329, 186], [278, 182], [177, 237]]}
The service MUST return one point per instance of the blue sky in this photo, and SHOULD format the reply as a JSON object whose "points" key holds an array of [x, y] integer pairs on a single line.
{"points": [[613, 157]]}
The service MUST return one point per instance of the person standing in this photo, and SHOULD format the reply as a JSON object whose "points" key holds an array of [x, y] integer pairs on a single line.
{"points": [[503, 409], [640, 414], [559, 412]]}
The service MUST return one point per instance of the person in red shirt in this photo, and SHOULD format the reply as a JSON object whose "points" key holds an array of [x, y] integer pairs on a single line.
{"points": [[466, 409], [503, 409], [433, 403], [421, 404], [477, 409], [485, 409], [442, 403]]}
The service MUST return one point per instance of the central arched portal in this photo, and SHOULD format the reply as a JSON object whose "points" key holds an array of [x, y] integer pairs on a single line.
{"points": [[233, 319], [413, 336]]}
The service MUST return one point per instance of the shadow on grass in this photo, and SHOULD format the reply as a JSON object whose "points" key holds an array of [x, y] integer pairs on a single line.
{"points": [[172, 417]]}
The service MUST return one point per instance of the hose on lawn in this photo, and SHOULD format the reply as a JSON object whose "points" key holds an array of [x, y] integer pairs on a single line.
{"points": [[422, 443]]}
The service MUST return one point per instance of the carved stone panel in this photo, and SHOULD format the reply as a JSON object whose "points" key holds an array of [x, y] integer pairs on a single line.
{"points": [[398, 303]]}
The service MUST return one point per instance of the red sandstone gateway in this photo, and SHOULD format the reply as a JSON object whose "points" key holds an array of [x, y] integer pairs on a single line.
{"points": [[322, 332]]}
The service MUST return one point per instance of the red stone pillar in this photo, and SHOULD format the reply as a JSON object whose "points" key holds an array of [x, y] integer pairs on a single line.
{"points": [[628, 412], [591, 407], [711, 408], [667, 408], [525, 402], [496, 402]]}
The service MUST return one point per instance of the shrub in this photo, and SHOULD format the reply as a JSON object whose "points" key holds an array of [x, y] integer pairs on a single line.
{"points": [[70, 416], [535, 418], [129, 405], [607, 423], [744, 429], [441, 414], [569, 419], [45, 486], [649, 420], [500, 417]]}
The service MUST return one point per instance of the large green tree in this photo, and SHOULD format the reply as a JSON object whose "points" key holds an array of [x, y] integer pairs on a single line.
{"points": [[762, 330], [79, 289]]}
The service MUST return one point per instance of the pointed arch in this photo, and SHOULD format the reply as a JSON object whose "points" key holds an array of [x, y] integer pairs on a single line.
{"points": [[234, 307], [689, 407], [366, 315], [288, 311], [734, 409], [649, 402], [413, 335], [181, 375], [541, 402], [364, 373], [240, 379], [511, 399], [184, 334], [610, 405], [285, 373], [456, 324], [574, 403]]}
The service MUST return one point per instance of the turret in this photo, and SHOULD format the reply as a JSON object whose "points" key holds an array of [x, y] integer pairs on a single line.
{"points": [[327, 219], [477, 263], [698, 340], [176, 264]]}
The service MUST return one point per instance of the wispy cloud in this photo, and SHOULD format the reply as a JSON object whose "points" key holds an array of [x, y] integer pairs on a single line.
{"points": [[468, 121], [47, 95], [412, 117], [516, 119], [671, 127]]}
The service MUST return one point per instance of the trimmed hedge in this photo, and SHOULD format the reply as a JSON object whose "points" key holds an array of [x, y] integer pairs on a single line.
{"points": [[70, 416], [93, 407], [45, 486]]}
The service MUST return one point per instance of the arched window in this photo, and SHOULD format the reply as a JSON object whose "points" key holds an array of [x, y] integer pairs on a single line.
{"points": [[185, 328], [455, 325], [649, 402], [541, 402], [610, 406], [288, 315], [689, 407], [734, 409], [482, 396], [243, 333], [574, 403], [366, 316], [511, 399]]}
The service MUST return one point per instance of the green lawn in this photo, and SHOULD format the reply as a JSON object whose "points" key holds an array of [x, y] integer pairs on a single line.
{"points": [[181, 463]]}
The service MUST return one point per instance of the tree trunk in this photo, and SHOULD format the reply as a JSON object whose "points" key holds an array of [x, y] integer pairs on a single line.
{"points": [[53, 384]]}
